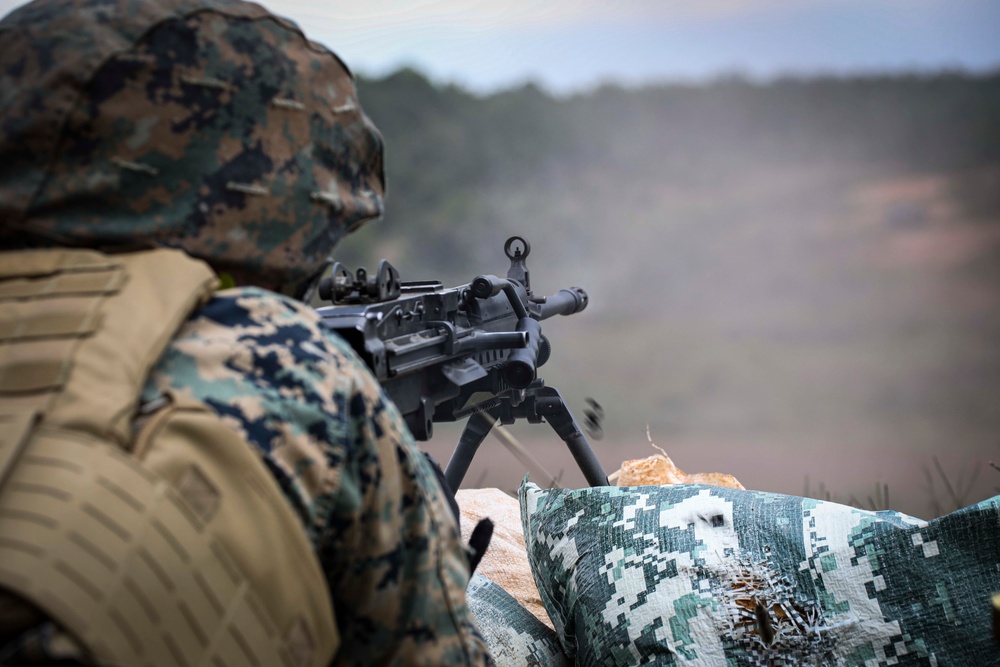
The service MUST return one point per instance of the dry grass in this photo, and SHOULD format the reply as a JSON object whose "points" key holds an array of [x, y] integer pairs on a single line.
{"points": [[957, 492]]}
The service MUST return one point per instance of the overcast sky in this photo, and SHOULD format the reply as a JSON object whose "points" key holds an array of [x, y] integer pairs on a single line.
{"points": [[568, 45]]}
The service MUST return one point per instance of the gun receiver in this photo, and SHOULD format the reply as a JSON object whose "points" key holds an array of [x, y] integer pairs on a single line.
{"points": [[472, 351]]}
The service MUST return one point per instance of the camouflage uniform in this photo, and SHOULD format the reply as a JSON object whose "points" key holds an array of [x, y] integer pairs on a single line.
{"points": [[215, 127]]}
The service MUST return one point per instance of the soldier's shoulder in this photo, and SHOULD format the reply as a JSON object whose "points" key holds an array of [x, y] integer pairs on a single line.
{"points": [[262, 315], [251, 346]]}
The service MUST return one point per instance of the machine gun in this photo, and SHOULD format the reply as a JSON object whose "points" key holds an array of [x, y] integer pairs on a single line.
{"points": [[472, 351]]}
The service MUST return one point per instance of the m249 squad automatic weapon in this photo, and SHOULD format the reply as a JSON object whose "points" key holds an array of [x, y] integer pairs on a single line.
{"points": [[472, 351]]}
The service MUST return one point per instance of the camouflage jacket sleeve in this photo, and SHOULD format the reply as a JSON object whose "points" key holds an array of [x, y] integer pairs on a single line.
{"points": [[338, 448]]}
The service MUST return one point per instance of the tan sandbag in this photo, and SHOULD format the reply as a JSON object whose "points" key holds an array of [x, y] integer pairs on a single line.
{"points": [[506, 559], [659, 470]]}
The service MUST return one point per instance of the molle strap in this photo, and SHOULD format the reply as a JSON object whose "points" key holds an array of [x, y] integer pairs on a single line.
{"points": [[39, 263], [107, 281], [21, 321]]}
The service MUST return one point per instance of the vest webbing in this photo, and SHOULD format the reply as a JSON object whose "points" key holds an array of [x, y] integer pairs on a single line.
{"points": [[169, 544]]}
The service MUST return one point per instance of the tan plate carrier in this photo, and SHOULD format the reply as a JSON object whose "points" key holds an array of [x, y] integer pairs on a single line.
{"points": [[169, 544]]}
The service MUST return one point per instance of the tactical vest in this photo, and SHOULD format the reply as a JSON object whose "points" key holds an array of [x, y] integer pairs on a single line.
{"points": [[157, 541]]}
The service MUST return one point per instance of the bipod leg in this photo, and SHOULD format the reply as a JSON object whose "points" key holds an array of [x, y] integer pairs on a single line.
{"points": [[550, 404], [476, 430]]}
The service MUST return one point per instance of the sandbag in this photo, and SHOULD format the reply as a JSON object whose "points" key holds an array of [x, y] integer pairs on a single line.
{"points": [[704, 575]]}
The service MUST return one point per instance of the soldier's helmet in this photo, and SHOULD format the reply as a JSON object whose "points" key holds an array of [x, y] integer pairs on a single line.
{"points": [[208, 125]]}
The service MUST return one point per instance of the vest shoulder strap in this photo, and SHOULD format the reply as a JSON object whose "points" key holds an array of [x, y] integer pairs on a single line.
{"points": [[173, 546]]}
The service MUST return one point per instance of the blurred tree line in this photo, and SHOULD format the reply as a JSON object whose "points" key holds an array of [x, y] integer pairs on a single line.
{"points": [[464, 168]]}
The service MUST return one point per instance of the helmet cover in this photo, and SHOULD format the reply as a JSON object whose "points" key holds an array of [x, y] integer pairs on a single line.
{"points": [[207, 125]]}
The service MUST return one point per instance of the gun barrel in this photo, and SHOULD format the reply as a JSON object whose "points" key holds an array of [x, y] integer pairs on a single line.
{"points": [[564, 302]]}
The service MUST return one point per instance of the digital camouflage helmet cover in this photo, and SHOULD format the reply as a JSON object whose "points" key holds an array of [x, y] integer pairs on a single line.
{"points": [[207, 125]]}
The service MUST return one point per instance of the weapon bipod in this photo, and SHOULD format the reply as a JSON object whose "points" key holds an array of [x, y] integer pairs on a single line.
{"points": [[539, 402]]}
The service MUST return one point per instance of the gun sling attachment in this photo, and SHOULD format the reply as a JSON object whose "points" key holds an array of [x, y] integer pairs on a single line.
{"points": [[468, 351], [159, 542]]}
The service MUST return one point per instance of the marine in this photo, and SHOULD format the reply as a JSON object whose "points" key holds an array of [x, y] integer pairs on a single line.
{"points": [[192, 470]]}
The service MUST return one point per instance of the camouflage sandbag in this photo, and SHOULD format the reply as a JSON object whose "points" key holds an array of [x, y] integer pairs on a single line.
{"points": [[514, 636], [700, 575]]}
